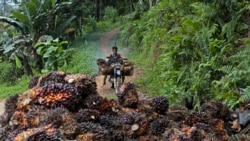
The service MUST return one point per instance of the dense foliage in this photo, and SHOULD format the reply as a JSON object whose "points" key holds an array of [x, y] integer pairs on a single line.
{"points": [[193, 48]]}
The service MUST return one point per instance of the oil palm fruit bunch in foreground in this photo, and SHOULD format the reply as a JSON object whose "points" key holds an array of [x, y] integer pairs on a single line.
{"points": [[62, 106]]}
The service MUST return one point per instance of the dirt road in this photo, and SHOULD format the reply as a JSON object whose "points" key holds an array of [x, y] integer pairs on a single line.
{"points": [[2, 102]]}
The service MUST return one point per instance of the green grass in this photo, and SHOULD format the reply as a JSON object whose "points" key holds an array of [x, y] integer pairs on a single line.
{"points": [[19, 87]]}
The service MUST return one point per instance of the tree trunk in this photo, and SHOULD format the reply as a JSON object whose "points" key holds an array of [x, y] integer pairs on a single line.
{"points": [[26, 67], [97, 3]]}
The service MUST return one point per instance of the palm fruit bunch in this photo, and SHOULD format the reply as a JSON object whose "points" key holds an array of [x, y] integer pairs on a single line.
{"points": [[160, 105], [19, 120], [100, 103], [33, 82], [104, 67], [127, 95], [52, 134], [93, 131], [84, 115], [196, 117], [158, 125], [10, 108], [240, 137], [51, 78], [127, 68], [58, 95], [177, 113], [218, 126], [56, 117], [109, 121], [85, 84], [216, 110], [40, 133], [36, 116], [70, 130], [127, 119]]}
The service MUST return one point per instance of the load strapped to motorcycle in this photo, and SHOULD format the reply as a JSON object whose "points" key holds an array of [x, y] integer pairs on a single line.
{"points": [[116, 70]]}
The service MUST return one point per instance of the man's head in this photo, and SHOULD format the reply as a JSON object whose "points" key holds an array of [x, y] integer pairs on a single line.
{"points": [[114, 49]]}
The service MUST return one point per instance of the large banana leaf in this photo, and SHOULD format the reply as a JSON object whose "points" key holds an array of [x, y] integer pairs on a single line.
{"points": [[12, 45], [13, 22]]}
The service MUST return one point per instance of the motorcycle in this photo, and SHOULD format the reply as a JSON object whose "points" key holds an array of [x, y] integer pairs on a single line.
{"points": [[116, 78]]}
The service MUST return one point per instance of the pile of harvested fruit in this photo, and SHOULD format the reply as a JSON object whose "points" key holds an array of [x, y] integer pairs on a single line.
{"points": [[60, 106]]}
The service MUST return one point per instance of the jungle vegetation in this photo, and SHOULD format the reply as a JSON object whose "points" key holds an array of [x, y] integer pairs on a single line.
{"points": [[186, 48]]}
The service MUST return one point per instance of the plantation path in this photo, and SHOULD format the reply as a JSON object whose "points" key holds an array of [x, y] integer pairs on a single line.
{"points": [[2, 102], [106, 49]]}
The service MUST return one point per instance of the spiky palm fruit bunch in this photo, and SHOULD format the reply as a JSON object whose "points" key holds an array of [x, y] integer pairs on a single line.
{"points": [[33, 82], [216, 110], [160, 104], [239, 137], [177, 113], [109, 121], [58, 95], [192, 134], [98, 132], [128, 69], [70, 130], [118, 135], [10, 108], [51, 134], [19, 120], [149, 138], [92, 137], [7, 133], [40, 133], [51, 78], [4, 119], [127, 119], [158, 125], [100, 103], [127, 95], [36, 115], [85, 84], [218, 126], [173, 134], [196, 117], [25, 100], [84, 115], [104, 67], [139, 128], [56, 117], [10, 104]]}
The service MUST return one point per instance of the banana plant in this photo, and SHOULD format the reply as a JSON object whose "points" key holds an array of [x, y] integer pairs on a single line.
{"points": [[52, 52], [34, 19]]}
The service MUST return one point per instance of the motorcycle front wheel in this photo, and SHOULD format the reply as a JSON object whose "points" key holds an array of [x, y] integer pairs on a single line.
{"points": [[117, 84]]}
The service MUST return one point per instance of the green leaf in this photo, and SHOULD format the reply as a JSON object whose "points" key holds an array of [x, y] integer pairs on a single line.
{"points": [[21, 17], [18, 62], [32, 8], [40, 50], [38, 44], [63, 25], [13, 22]]}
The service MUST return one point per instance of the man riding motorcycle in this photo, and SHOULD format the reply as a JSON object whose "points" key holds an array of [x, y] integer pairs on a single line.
{"points": [[114, 58]]}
